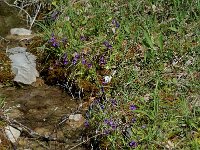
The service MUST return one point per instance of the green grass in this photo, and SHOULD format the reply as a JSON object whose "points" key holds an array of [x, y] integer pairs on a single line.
{"points": [[155, 53], [1, 106]]}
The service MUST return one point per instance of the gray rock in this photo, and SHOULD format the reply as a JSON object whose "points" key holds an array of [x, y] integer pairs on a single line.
{"points": [[23, 65], [75, 117], [20, 31], [76, 121], [12, 133]]}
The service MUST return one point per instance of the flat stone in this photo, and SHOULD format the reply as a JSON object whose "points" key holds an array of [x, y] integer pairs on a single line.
{"points": [[75, 117], [20, 31], [76, 121], [12, 133], [23, 65]]}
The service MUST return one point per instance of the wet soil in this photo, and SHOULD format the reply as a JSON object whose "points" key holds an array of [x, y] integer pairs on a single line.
{"points": [[45, 110]]}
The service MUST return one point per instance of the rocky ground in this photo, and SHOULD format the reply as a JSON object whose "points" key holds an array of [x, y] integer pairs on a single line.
{"points": [[38, 116], [48, 112]]}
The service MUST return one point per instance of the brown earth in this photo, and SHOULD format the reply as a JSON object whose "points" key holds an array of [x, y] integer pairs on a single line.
{"points": [[45, 110]]}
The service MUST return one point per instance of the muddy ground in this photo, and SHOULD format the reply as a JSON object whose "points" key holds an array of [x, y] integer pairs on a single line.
{"points": [[44, 110]]}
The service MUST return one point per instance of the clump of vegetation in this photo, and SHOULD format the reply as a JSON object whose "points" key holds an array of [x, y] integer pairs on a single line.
{"points": [[6, 74], [143, 57]]}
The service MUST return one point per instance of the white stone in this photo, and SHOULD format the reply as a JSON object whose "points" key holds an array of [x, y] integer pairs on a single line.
{"points": [[76, 117], [107, 79], [20, 31], [76, 121], [12, 133], [23, 65]]}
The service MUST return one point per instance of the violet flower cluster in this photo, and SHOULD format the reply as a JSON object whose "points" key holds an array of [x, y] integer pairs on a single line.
{"points": [[55, 15], [65, 61], [102, 60], [76, 58], [115, 23], [53, 41], [111, 123], [107, 44]]}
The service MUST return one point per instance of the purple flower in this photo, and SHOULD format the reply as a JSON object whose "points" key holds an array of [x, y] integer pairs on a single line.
{"points": [[114, 102], [106, 132], [77, 55], [89, 65], [96, 101], [83, 61], [133, 120], [64, 41], [106, 121], [83, 38], [55, 44], [114, 126], [132, 107], [74, 61], [64, 56], [132, 144], [107, 44], [102, 106], [102, 60], [111, 123], [53, 41], [54, 15], [86, 123], [115, 23], [65, 62]]}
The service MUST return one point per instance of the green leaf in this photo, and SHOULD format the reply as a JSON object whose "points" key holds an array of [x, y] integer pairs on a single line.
{"points": [[173, 29], [145, 113], [54, 3], [126, 28], [148, 40], [84, 21], [160, 41]]}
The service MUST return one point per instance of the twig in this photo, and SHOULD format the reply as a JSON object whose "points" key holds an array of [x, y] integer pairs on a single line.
{"points": [[37, 11], [86, 141], [28, 131]]}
